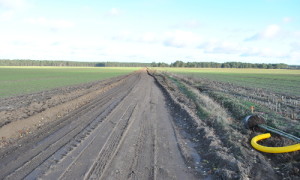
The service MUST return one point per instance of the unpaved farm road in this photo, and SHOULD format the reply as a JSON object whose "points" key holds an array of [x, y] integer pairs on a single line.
{"points": [[124, 133]]}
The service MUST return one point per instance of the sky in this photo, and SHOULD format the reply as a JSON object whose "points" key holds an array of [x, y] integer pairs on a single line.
{"points": [[254, 31]]}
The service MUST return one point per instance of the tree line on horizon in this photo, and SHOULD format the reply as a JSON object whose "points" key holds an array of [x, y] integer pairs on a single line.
{"points": [[7, 62], [228, 65]]}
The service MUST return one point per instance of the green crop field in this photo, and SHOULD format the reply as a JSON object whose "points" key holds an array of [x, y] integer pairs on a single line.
{"points": [[276, 80], [23, 80]]}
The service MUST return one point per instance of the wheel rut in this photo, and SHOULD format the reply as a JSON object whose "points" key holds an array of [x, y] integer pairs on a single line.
{"points": [[124, 133], [17, 166]]}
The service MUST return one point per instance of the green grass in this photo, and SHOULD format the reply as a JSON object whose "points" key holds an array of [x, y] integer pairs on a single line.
{"points": [[282, 81], [23, 80], [276, 80], [200, 111]]}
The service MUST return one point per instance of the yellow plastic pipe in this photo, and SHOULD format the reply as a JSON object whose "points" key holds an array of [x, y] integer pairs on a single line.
{"points": [[284, 149]]}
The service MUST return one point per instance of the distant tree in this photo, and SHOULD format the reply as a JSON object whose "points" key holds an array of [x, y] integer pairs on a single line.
{"points": [[178, 64], [153, 64], [21, 62], [161, 64], [100, 65], [281, 66], [225, 65], [269, 66]]}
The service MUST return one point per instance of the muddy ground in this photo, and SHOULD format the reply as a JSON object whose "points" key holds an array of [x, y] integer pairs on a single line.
{"points": [[138, 126], [225, 142]]}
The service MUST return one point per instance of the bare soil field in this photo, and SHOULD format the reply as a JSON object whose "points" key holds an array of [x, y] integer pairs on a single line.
{"points": [[138, 126]]}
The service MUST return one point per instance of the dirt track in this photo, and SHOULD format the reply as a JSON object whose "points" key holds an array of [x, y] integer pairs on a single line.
{"points": [[125, 132]]}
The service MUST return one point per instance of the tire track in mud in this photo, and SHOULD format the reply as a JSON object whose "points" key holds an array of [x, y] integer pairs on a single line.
{"points": [[150, 149], [138, 146], [17, 108], [111, 146], [125, 133], [17, 166]]}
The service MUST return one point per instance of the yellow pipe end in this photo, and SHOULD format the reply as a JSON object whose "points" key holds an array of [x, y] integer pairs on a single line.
{"points": [[285, 149]]}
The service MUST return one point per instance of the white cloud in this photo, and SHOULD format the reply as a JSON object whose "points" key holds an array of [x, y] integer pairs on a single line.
{"points": [[231, 48], [255, 52], [287, 19], [114, 12], [12, 4], [128, 36], [10, 8], [123, 36], [52, 46], [86, 8], [271, 32], [192, 24], [217, 47], [50, 23], [264, 52], [181, 39], [295, 58], [189, 24], [295, 46], [148, 37], [297, 34], [7, 15]]}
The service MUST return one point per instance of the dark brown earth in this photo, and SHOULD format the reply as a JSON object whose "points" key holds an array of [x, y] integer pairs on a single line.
{"points": [[137, 126], [253, 122]]}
